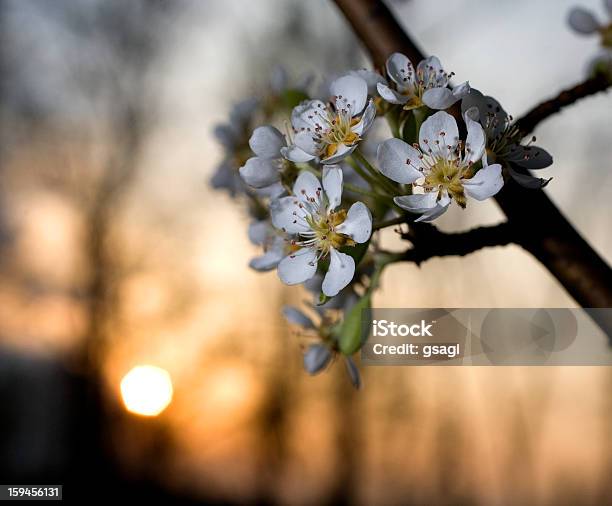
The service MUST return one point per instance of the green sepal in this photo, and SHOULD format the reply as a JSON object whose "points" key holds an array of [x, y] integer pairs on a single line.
{"points": [[323, 299], [420, 115], [408, 129]]}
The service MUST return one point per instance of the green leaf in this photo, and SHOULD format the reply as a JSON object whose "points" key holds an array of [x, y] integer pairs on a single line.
{"points": [[352, 333]]}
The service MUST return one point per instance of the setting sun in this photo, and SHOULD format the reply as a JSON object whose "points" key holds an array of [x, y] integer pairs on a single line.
{"points": [[146, 390]]}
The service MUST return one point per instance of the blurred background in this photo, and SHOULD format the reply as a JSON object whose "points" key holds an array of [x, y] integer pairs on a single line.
{"points": [[125, 290]]}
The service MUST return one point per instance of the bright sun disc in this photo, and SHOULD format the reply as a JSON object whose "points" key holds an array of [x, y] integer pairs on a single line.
{"points": [[146, 390]]}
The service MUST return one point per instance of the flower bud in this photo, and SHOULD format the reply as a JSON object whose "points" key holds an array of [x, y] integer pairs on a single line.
{"points": [[352, 333]]}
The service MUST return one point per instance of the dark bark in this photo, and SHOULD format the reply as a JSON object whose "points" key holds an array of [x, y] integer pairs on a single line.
{"points": [[430, 242]]}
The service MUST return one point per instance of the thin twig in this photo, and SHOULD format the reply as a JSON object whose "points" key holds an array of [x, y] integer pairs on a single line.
{"points": [[431, 242], [389, 223], [592, 86]]}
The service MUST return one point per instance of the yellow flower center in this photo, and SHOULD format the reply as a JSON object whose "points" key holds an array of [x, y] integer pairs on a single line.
{"points": [[324, 228], [446, 175], [340, 132]]}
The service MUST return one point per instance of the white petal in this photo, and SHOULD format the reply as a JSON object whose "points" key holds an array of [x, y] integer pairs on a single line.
{"points": [[440, 128], [582, 21], [258, 231], [297, 317], [400, 69], [226, 135], [298, 267], [306, 142], [490, 112], [307, 114], [496, 115], [473, 100], [366, 120], [266, 142], [398, 161], [433, 74], [350, 92], [259, 172], [279, 79], [296, 154], [418, 203], [391, 96], [226, 178], [529, 157], [340, 272], [472, 112], [439, 98], [461, 90], [287, 215], [243, 110], [475, 140], [358, 223], [273, 191], [370, 77], [486, 183], [307, 187], [316, 358], [527, 180], [353, 372], [342, 152], [268, 261], [431, 65], [332, 184], [439, 209]]}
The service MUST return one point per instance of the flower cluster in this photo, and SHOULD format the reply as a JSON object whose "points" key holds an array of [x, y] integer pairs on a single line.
{"points": [[321, 182]]}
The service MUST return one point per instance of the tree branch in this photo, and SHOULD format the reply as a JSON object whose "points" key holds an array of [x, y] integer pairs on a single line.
{"points": [[532, 119], [429, 242], [544, 231]]}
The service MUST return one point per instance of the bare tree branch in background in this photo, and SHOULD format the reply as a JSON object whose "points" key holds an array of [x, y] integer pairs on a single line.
{"points": [[540, 226], [131, 40]]}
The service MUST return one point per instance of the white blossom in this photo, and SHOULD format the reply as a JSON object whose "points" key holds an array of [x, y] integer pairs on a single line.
{"points": [[585, 22], [504, 139], [427, 86], [233, 137], [371, 78], [274, 243], [442, 166], [331, 131], [310, 213], [263, 170]]}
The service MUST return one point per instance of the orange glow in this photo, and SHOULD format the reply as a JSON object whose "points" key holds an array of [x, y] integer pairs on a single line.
{"points": [[146, 390]]}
